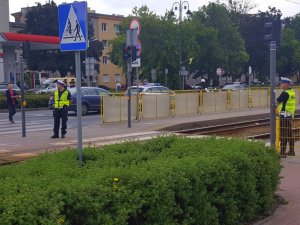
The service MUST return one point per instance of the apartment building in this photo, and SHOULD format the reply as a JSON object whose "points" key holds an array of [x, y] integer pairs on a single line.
{"points": [[108, 28]]}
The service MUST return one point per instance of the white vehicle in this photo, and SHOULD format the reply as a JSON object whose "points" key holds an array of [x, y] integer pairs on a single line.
{"points": [[149, 90], [47, 89], [3, 87], [235, 86]]}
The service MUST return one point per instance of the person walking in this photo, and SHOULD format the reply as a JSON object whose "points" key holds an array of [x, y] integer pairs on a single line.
{"points": [[62, 98], [11, 99], [286, 104]]}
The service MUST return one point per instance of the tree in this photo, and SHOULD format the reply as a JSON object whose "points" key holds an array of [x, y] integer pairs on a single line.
{"points": [[233, 55], [43, 20], [159, 45], [289, 54], [252, 29]]}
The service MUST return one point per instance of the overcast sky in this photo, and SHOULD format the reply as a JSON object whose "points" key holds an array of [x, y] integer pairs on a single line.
{"points": [[124, 7]]}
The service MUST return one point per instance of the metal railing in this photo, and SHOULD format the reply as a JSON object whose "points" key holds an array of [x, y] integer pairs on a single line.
{"points": [[114, 108]]}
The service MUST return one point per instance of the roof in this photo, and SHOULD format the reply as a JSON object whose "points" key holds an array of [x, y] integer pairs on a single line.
{"points": [[31, 38], [37, 42]]}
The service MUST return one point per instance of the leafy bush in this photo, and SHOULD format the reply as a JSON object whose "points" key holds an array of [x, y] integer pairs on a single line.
{"points": [[32, 100], [164, 181]]}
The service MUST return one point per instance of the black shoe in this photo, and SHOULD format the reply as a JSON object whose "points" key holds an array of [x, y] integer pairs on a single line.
{"points": [[62, 136], [11, 121], [54, 136], [283, 155]]}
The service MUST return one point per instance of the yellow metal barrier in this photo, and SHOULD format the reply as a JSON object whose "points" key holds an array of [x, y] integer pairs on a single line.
{"points": [[115, 108], [229, 106], [277, 142], [287, 129], [172, 104], [101, 110], [140, 107], [249, 98]]}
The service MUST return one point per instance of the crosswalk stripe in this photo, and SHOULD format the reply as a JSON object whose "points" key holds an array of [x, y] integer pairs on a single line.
{"points": [[8, 128], [27, 130]]}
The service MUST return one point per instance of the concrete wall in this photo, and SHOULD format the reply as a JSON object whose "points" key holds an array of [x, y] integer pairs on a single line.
{"points": [[9, 67], [4, 16]]}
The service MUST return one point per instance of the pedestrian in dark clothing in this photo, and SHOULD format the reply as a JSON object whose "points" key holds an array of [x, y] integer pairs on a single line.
{"points": [[286, 104], [11, 98], [62, 98]]}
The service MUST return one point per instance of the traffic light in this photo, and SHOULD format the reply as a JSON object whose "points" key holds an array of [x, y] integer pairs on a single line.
{"points": [[129, 52], [134, 53], [274, 31], [125, 53]]}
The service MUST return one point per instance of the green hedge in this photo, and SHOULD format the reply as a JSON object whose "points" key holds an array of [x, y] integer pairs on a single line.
{"points": [[164, 181], [32, 100]]}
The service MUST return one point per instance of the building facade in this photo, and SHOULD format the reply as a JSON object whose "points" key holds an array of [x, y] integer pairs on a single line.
{"points": [[107, 29], [4, 27]]}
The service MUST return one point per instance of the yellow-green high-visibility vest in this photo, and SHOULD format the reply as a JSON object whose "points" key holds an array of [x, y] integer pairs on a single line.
{"points": [[62, 101], [290, 105]]}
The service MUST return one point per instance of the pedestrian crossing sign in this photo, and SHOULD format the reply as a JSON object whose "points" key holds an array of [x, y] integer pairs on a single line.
{"points": [[73, 26]]}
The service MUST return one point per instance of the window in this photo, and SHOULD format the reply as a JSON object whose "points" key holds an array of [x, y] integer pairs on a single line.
{"points": [[105, 60], [89, 92], [117, 77], [105, 78], [104, 27], [105, 43], [117, 29]]}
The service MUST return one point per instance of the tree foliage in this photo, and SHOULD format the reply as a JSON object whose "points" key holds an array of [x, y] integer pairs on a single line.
{"points": [[222, 34], [209, 37]]}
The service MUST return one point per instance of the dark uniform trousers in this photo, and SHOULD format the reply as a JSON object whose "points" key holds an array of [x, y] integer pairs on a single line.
{"points": [[11, 111], [61, 113], [286, 135]]}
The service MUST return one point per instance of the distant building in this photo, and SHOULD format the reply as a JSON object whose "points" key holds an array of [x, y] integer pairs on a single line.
{"points": [[4, 27], [10, 43], [106, 30]]}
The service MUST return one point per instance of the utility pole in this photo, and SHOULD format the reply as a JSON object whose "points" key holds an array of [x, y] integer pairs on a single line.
{"points": [[274, 36], [180, 5]]}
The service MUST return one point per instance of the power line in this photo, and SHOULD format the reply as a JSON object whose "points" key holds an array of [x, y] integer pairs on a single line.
{"points": [[293, 2]]}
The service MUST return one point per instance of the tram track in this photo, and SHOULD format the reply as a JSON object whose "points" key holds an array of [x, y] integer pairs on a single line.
{"points": [[258, 129], [237, 129]]}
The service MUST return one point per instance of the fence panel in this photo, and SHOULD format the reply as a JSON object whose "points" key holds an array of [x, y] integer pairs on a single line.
{"points": [[181, 104], [163, 105], [111, 109], [214, 102], [149, 106], [260, 98], [221, 101], [192, 100]]}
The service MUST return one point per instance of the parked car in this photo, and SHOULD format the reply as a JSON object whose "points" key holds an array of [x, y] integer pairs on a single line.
{"points": [[3, 88], [235, 86], [149, 90], [47, 88], [90, 99]]}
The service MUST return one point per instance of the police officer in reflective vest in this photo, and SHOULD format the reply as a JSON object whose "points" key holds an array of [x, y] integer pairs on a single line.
{"points": [[62, 98], [286, 104]]}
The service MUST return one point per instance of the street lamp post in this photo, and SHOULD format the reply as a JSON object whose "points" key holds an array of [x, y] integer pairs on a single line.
{"points": [[180, 5]]}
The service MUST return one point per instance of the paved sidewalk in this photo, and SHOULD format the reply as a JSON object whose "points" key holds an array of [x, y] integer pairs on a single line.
{"points": [[288, 214], [97, 134]]}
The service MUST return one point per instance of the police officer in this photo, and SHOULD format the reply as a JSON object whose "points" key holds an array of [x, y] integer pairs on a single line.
{"points": [[286, 104], [62, 98]]}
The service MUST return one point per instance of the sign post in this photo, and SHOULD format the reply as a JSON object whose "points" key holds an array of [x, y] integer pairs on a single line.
{"points": [[136, 47], [73, 37]]}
